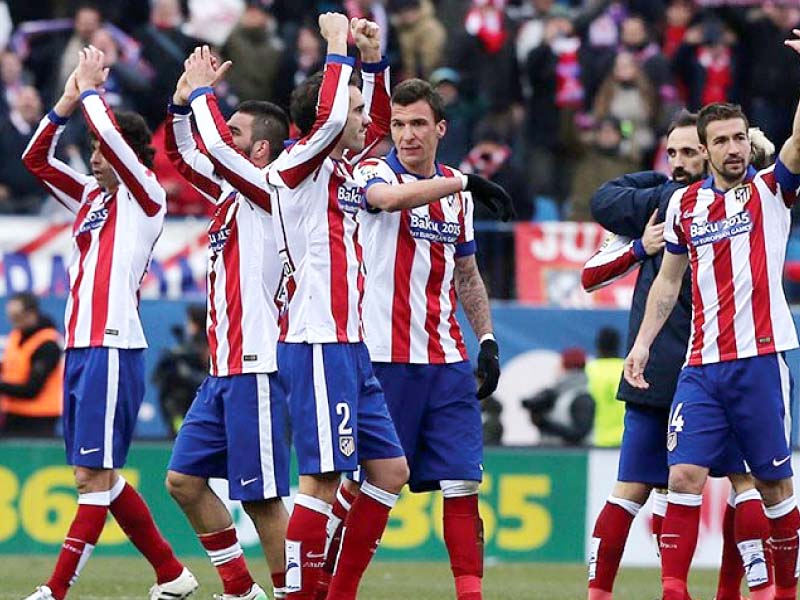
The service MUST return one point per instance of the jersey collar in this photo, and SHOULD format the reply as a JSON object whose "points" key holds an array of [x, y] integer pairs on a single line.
{"points": [[394, 162], [708, 182]]}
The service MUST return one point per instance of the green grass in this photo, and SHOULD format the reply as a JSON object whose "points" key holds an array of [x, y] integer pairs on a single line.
{"points": [[130, 578]]}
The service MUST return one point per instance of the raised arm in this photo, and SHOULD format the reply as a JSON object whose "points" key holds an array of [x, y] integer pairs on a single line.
{"points": [[624, 205], [308, 153], [375, 81], [142, 184], [787, 167], [230, 162], [66, 184]]}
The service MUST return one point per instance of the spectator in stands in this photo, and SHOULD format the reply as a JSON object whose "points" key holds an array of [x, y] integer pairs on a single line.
{"points": [[371, 10], [304, 60], [87, 22], [564, 413], [20, 192], [604, 159], [635, 38], [603, 374], [705, 64], [420, 35], [679, 16], [628, 96], [771, 95], [13, 78], [256, 54], [182, 368], [164, 47], [492, 158], [128, 84], [32, 370], [460, 114]]}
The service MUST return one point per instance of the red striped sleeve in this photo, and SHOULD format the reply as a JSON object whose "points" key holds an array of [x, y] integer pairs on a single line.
{"points": [[184, 154]]}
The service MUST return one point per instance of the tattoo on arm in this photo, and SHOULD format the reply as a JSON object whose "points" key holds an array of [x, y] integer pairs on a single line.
{"points": [[472, 294]]}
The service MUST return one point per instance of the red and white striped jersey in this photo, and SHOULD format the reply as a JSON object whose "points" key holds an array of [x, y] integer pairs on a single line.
{"points": [[315, 204], [113, 234], [737, 244], [243, 265], [410, 256], [617, 256]]}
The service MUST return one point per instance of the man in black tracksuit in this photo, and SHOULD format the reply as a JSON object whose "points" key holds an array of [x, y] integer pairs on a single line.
{"points": [[624, 206]]}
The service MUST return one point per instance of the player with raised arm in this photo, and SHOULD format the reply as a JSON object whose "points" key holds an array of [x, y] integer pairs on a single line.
{"points": [[622, 206], [339, 414], [732, 227], [237, 426], [119, 214]]}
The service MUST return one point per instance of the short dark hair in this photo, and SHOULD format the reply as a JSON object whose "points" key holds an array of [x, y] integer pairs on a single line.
{"points": [[28, 300], [304, 99], [718, 111], [270, 123], [413, 90], [608, 342], [136, 134], [683, 118]]}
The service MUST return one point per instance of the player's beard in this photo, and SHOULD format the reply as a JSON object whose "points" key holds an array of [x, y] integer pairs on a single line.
{"points": [[683, 176], [731, 176]]}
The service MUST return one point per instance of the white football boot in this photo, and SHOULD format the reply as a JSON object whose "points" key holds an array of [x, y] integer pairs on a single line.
{"points": [[181, 587], [255, 593], [42, 593]]}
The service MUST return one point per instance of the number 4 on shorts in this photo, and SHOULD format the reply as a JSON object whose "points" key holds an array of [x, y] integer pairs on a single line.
{"points": [[676, 421]]}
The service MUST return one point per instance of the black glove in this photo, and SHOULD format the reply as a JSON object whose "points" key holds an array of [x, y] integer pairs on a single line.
{"points": [[488, 370], [492, 196]]}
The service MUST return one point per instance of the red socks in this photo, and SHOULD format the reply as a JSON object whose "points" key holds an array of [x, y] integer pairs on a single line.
{"points": [[659, 510], [344, 501], [279, 585], [226, 555], [80, 541], [362, 532], [784, 522], [305, 546], [731, 570], [463, 535], [752, 532], [132, 514], [678, 543], [608, 543]]}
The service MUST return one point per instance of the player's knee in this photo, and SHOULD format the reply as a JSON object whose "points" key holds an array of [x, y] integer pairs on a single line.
{"points": [[92, 480], [391, 476], [264, 509], [458, 488], [182, 488], [687, 479], [775, 492]]}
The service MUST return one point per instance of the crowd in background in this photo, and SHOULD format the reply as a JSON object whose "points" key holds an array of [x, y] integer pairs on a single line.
{"points": [[549, 98]]}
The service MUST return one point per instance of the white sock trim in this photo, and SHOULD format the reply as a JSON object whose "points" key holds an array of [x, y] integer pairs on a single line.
{"points": [[659, 504], [746, 497], [342, 500], [95, 498], [386, 498], [458, 488], [117, 488], [781, 509], [314, 504], [684, 499], [629, 506]]}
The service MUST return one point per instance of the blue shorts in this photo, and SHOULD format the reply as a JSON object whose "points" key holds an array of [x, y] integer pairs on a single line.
{"points": [[746, 399], [237, 429], [438, 420], [339, 414], [643, 454], [103, 390]]}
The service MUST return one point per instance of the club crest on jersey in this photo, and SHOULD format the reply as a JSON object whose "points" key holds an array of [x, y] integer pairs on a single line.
{"points": [[422, 227], [711, 232], [741, 194], [350, 197], [672, 441], [93, 220], [347, 445]]}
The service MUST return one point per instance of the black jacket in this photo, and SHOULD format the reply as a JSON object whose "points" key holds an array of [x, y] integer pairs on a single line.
{"points": [[623, 206]]}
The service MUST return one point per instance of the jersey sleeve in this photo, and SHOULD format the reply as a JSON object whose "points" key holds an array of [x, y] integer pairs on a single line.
{"points": [[676, 241], [67, 185], [186, 157], [788, 183], [228, 160], [377, 104], [617, 256], [466, 246], [141, 182], [300, 160]]}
